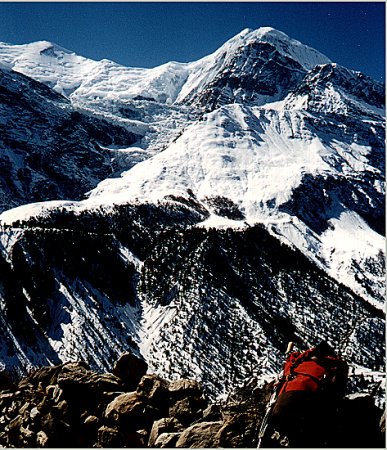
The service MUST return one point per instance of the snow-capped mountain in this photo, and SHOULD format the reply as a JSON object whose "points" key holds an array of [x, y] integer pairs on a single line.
{"points": [[241, 195], [83, 79]]}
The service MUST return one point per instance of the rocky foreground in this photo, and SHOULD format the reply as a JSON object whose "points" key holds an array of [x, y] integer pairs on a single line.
{"points": [[71, 406]]}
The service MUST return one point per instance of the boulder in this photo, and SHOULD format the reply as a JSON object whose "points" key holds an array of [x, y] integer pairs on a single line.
{"points": [[212, 413], [57, 430], [109, 437], [13, 431], [185, 388], [76, 377], [200, 435], [238, 431], [134, 439], [187, 409], [54, 392], [44, 376], [357, 424], [155, 390], [91, 421], [126, 410], [167, 440], [130, 369], [162, 426]]}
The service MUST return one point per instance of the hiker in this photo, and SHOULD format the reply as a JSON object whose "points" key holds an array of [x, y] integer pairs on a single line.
{"points": [[304, 413]]}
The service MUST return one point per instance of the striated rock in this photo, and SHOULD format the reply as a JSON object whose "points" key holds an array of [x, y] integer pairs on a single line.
{"points": [[45, 375], [130, 369], [200, 435]]}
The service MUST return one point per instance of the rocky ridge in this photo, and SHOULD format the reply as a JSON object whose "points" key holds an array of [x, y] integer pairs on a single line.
{"points": [[69, 405]]}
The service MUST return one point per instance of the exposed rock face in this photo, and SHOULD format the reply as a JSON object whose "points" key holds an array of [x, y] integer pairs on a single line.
{"points": [[71, 406], [266, 75]]}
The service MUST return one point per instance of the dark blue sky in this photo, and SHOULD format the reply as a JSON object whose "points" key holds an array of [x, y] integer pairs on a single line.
{"points": [[148, 34]]}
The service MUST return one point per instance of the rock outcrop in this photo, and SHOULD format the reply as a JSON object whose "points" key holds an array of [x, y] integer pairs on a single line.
{"points": [[69, 405]]}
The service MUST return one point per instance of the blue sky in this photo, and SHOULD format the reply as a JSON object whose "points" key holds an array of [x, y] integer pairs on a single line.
{"points": [[146, 34]]}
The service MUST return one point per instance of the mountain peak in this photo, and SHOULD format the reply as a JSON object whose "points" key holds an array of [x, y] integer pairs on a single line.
{"points": [[263, 31], [306, 56]]}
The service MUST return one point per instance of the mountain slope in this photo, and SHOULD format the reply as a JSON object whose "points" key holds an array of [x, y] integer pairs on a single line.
{"points": [[49, 149], [211, 304], [268, 160], [241, 195]]}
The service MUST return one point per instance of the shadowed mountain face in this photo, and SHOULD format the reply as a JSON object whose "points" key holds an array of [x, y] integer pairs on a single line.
{"points": [[257, 72], [206, 213], [49, 149]]}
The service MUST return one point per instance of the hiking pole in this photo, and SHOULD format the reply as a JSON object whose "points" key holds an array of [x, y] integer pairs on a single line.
{"points": [[273, 398]]}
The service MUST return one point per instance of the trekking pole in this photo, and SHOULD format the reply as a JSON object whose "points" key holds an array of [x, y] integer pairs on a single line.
{"points": [[273, 398]]}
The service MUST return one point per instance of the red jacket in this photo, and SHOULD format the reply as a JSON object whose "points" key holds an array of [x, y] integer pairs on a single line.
{"points": [[307, 372]]}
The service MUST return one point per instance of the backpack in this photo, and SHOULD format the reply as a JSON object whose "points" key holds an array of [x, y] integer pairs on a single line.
{"points": [[305, 372]]}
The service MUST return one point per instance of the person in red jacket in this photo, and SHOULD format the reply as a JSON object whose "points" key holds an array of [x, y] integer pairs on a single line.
{"points": [[312, 384]]}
